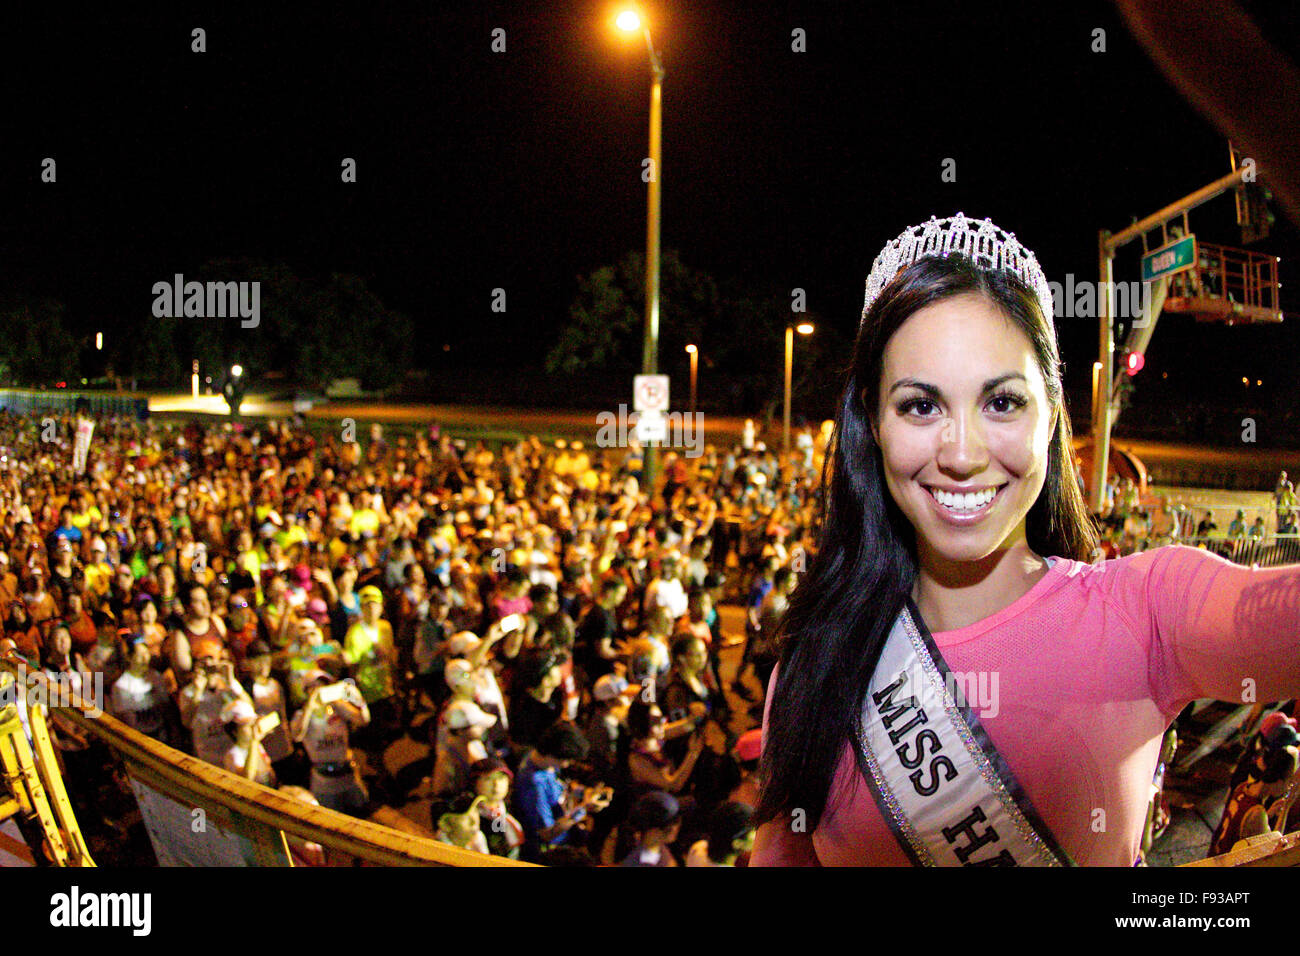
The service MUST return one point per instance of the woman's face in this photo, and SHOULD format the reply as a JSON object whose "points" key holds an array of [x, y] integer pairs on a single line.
{"points": [[982, 421], [200, 607]]}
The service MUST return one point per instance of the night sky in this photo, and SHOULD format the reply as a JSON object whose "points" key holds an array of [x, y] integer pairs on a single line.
{"points": [[521, 170]]}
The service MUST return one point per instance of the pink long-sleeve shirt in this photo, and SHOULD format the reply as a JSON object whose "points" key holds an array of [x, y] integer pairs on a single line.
{"points": [[1093, 664]]}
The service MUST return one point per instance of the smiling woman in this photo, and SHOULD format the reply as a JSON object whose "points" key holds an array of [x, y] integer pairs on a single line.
{"points": [[957, 686]]}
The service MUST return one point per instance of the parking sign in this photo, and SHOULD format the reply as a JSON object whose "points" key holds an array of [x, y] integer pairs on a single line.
{"points": [[650, 393]]}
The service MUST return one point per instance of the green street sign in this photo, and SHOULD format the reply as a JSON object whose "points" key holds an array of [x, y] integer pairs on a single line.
{"points": [[1176, 257]]}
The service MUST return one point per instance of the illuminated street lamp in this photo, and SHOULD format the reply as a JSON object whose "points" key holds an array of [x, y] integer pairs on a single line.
{"points": [[695, 367], [629, 21], [803, 328]]}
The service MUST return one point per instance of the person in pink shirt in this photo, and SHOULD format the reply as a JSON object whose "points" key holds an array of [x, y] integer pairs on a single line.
{"points": [[962, 680]]}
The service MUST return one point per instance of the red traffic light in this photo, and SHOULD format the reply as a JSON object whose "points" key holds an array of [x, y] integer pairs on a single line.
{"points": [[1134, 362]]}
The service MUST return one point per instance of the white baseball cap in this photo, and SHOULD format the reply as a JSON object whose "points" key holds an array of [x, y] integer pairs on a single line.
{"points": [[463, 642], [238, 710]]}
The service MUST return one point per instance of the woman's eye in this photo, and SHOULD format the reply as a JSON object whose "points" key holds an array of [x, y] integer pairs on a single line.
{"points": [[1008, 401]]}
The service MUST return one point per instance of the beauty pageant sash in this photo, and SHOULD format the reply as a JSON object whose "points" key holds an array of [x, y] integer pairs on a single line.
{"points": [[945, 791]]}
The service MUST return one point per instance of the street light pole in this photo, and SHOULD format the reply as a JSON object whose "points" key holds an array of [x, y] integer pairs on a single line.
{"points": [[804, 328], [695, 366], [789, 365], [650, 354]]}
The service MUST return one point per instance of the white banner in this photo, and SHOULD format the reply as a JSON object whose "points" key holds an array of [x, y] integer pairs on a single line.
{"points": [[81, 448]]}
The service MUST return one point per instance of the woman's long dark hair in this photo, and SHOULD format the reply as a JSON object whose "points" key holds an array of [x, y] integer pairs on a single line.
{"points": [[865, 562]]}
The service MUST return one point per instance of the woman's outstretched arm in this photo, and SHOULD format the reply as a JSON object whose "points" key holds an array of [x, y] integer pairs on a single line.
{"points": [[1221, 630]]}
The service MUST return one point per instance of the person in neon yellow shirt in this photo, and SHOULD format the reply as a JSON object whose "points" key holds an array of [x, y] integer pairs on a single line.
{"points": [[365, 520], [369, 650], [87, 513], [99, 573], [292, 534]]}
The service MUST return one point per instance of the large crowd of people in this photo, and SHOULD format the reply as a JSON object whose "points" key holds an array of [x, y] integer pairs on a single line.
{"points": [[289, 605]]}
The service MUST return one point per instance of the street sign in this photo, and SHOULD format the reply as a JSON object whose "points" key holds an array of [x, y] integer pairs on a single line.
{"points": [[650, 393], [1177, 256], [651, 426]]}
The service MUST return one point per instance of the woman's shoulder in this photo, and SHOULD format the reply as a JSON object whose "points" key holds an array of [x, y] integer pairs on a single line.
{"points": [[1133, 580]]}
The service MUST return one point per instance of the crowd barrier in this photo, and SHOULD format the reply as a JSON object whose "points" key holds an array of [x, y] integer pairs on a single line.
{"points": [[1272, 551], [21, 401]]}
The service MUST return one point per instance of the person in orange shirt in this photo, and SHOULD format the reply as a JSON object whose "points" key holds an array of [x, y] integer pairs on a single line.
{"points": [[81, 626], [20, 629], [40, 603]]}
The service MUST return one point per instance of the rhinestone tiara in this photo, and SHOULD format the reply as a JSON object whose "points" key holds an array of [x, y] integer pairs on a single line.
{"points": [[980, 241]]}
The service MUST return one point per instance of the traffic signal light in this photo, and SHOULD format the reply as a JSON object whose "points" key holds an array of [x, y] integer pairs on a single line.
{"points": [[1253, 214], [1133, 362]]}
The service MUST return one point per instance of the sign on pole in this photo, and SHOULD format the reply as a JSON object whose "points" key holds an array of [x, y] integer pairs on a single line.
{"points": [[1178, 256], [651, 426], [650, 393]]}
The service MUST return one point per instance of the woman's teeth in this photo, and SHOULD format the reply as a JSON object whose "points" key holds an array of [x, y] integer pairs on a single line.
{"points": [[967, 502]]}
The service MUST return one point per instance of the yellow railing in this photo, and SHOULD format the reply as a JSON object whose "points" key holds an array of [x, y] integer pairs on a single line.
{"points": [[230, 798]]}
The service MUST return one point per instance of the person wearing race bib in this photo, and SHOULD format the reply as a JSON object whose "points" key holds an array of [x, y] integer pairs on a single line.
{"points": [[959, 683]]}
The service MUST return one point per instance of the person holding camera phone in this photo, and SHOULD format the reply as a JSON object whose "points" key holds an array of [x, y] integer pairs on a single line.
{"points": [[201, 704], [322, 727], [540, 792], [247, 757], [268, 698]]}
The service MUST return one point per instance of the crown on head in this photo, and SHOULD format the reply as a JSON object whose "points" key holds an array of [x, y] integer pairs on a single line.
{"points": [[983, 243]]}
